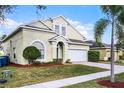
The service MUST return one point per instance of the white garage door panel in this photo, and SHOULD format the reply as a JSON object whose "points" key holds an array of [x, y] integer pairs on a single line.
{"points": [[77, 55]]}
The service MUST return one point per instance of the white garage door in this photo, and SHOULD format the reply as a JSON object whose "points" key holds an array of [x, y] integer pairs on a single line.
{"points": [[77, 55]]}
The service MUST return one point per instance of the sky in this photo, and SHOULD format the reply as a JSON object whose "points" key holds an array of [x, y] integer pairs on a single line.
{"points": [[81, 17]]}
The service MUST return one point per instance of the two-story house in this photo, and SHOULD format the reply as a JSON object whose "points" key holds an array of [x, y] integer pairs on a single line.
{"points": [[55, 37]]}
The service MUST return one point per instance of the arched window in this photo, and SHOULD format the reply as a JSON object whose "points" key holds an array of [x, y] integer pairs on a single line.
{"points": [[40, 46]]}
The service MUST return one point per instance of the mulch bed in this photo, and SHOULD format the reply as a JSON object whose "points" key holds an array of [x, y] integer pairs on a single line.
{"points": [[35, 65], [108, 84]]}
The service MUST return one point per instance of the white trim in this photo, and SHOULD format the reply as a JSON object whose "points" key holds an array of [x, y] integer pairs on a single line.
{"points": [[77, 49], [79, 43], [44, 49], [60, 41], [56, 37], [100, 48], [40, 29]]}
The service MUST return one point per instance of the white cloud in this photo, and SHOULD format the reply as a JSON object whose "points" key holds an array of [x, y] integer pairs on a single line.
{"points": [[8, 26], [85, 29]]}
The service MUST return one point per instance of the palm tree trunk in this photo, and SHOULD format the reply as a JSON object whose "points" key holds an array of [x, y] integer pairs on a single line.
{"points": [[112, 78]]}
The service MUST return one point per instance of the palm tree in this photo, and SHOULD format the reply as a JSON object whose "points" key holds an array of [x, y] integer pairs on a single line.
{"points": [[114, 17]]}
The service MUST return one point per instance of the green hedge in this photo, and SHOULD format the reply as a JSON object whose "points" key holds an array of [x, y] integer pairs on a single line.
{"points": [[93, 56], [31, 53]]}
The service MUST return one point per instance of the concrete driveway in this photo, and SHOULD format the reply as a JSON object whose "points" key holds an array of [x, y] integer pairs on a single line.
{"points": [[100, 65]]}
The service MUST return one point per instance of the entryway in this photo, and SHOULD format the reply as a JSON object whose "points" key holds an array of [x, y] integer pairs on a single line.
{"points": [[59, 54]]}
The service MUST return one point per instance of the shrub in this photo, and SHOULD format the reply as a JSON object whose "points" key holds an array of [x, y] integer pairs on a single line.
{"points": [[93, 56], [49, 62], [37, 63], [31, 53], [121, 57], [58, 60]]}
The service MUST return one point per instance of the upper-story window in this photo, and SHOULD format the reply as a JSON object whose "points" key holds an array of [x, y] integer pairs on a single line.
{"points": [[57, 28], [63, 30], [60, 29]]}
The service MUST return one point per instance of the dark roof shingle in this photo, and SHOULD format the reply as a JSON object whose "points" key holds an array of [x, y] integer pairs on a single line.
{"points": [[75, 40], [94, 44]]}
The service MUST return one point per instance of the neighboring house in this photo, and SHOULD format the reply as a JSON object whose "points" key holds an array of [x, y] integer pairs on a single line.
{"points": [[55, 37], [105, 51]]}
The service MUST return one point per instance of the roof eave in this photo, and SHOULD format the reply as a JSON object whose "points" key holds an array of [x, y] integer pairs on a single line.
{"points": [[75, 43], [14, 32]]}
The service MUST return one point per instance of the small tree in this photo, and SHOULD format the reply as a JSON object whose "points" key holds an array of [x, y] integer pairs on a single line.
{"points": [[114, 17], [31, 53]]}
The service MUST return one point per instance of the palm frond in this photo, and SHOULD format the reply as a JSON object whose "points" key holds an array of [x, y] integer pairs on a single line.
{"points": [[119, 35], [105, 9], [112, 10], [99, 29], [116, 9], [120, 18]]}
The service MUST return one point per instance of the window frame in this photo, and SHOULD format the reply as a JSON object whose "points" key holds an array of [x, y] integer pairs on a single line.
{"points": [[14, 52], [44, 59], [60, 29]]}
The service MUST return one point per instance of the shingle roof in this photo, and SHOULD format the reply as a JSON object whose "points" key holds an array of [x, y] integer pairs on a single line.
{"points": [[94, 44], [77, 41]]}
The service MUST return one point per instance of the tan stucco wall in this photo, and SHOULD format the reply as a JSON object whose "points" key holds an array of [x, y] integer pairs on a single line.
{"points": [[38, 24], [30, 35], [48, 23], [72, 46], [16, 43], [116, 54]]}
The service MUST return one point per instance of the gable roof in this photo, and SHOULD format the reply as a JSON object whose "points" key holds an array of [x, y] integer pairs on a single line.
{"points": [[30, 26], [57, 36], [67, 23], [19, 28], [42, 24], [77, 41]]}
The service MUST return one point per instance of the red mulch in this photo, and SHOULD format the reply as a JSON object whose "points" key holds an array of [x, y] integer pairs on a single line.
{"points": [[108, 84], [34, 65]]}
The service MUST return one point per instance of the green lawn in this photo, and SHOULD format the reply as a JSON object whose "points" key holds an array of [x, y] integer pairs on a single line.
{"points": [[93, 83], [32, 75]]}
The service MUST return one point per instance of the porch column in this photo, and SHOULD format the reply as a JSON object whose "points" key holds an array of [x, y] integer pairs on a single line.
{"points": [[54, 48], [65, 57]]}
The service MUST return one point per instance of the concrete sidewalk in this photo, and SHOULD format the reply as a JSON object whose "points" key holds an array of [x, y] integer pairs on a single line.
{"points": [[78, 79]]}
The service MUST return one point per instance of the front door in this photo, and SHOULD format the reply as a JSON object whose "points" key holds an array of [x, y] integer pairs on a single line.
{"points": [[59, 52]]}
